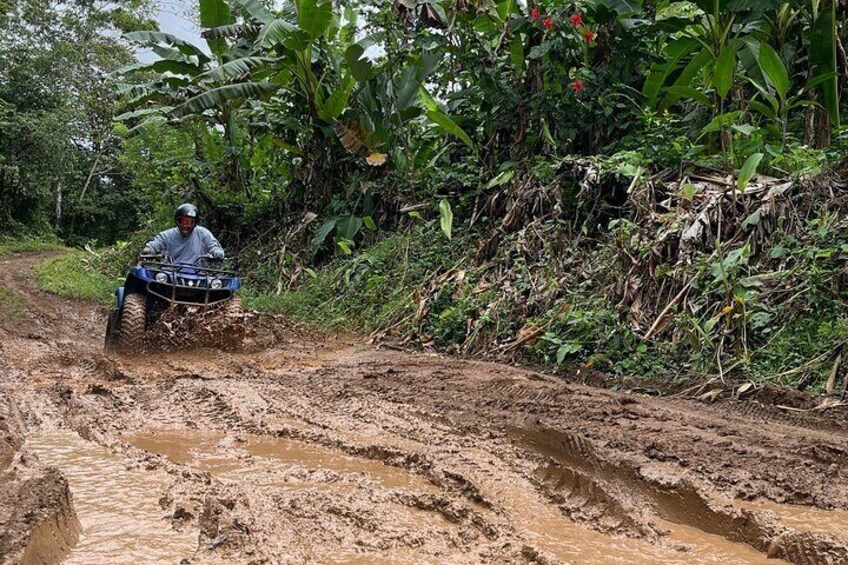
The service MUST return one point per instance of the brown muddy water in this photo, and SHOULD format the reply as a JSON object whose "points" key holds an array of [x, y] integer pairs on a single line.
{"points": [[117, 507], [121, 519], [258, 459], [803, 518]]}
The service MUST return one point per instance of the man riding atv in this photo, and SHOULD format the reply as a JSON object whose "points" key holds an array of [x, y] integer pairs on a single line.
{"points": [[174, 275], [186, 243]]}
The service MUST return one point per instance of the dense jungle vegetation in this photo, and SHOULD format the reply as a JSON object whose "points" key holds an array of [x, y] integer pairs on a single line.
{"points": [[639, 187]]}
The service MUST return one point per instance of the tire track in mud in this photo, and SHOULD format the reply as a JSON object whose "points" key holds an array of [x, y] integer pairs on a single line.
{"points": [[339, 453]]}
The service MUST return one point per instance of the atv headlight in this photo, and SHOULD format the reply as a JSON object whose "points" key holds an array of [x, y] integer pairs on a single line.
{"points": [[216, 284], [161, 278]]}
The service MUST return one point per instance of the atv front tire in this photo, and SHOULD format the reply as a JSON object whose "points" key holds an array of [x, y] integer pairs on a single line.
{"points": [[133, 322]]}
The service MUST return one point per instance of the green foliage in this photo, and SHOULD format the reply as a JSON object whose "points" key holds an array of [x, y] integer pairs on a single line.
{"points": [[370, 290], [28, 243], [72, 275]]}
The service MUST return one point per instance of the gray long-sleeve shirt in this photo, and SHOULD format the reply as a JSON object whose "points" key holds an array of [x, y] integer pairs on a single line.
{"points": [[189, 249]]}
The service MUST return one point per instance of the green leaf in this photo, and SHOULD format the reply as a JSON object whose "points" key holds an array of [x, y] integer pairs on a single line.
{"points": [[233, 69], [695, 66], [150, 123], [725, 66], [446, 215], [428, 101], [774, 69], [163, 66], [691, 94], [345, 245], [348, 226], [516, 52], [158, 111], [217, 96], [566, 349], [674, 52], [744, 129], [336, 103], [151, 38], [321, 234], [762, 109], [406, 86], [232, 31], [214, 13], [752, 220], [450, 127], [369, 223], [360, 67], [687, 191], [823, 57], [502, 178], [749, 169], [314, 17], [256, 10], [280, 32]]}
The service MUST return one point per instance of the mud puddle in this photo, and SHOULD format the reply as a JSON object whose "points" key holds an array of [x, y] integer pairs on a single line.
{"points": [[117, 508], [549, 530], [802, 518], [230, 457]]}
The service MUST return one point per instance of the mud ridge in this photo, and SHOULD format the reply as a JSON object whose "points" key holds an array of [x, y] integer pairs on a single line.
{"points": [[669, 497]]}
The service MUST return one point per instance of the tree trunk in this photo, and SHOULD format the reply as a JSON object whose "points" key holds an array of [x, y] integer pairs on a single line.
{"points": [[236, 180], [822, 130], [57, 215]]}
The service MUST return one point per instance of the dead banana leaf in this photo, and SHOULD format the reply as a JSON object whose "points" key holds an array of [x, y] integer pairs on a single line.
{"points": [[349, 135]]}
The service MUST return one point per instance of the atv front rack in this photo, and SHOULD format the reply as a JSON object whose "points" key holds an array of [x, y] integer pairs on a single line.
{"points": [[188, 284]]}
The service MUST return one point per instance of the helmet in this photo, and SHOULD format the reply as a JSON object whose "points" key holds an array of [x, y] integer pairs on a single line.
{"points": [[186, 218]]}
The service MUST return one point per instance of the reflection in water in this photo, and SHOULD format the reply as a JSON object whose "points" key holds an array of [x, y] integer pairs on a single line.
{"points": [[118, 509]]}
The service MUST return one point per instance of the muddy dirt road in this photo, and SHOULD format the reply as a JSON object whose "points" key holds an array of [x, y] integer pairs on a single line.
{"points": [[311, 451]]}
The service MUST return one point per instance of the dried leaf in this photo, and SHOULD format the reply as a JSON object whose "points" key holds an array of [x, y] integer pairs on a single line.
{"points": [[711, 395], [376, 159], [747, 387], [348, 134]]}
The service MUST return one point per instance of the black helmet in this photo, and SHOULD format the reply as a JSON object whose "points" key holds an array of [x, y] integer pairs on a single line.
{"points": [[187, 211], [186, 218]]}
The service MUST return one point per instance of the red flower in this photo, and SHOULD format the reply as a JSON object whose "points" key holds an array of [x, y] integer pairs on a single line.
{"points": [[577, 85], [548, 23], [589, 35], [576, 19], [534, 14]]}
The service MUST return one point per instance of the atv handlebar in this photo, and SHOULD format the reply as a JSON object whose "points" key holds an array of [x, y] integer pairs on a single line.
{"points": [[164, 261]]}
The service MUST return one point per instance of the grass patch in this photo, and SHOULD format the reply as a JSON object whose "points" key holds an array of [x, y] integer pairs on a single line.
{"points": [[72, 276], [8, 245], [12, 308]]}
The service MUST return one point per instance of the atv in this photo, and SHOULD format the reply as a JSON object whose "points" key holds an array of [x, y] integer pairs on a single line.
{"points": [[158, 284]]}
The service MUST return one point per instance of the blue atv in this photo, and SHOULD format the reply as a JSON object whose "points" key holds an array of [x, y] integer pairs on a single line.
{"points": [[158, 284]]}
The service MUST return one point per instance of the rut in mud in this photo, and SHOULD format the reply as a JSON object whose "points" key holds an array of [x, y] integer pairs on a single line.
{"points": [[309, 449]]}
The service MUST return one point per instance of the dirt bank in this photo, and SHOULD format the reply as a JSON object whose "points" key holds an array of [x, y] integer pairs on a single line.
{"points": [[322, 451]]}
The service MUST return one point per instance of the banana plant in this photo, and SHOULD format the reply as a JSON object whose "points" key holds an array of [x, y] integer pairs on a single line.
{"points": [[775, 89], [190, 82], [710, 44], [823, 46]]}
